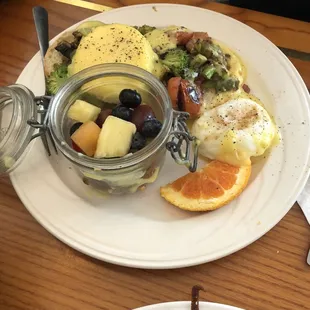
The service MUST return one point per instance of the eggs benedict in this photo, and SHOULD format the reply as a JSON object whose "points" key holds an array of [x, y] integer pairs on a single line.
{"points": [[234, 132], [94, 43], [115, 43]]}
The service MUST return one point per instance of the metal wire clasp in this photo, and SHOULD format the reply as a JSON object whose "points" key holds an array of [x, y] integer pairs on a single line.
{"points": [[42, 125], [180, 139]]}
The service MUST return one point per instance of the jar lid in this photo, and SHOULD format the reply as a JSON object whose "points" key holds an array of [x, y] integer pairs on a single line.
{"points": [[17, 106]]}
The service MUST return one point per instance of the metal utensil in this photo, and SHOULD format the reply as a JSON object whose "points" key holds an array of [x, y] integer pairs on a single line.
{"points": [[304, 203], [40, 17]]}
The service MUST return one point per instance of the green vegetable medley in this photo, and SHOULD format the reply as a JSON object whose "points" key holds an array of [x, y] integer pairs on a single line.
{"points": [[204, 60]]}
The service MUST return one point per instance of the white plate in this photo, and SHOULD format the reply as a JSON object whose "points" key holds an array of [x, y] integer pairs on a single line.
{"points": [[186, 305], [143, 230]]}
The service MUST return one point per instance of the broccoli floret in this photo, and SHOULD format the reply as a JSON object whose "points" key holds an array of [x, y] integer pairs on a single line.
{"points": [[177, 61], [145, 29], [198, 61], [56, 79]]}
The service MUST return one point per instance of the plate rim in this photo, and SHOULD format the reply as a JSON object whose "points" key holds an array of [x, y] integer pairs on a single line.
{"points": [[158, 306], [168, 264]]}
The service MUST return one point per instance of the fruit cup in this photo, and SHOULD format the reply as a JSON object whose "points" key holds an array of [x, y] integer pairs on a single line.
{"points": [[101, 85]]}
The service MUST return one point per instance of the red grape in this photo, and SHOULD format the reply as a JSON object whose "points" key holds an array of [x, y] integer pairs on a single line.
{"points": [[103, 116], [76, 148], [141, 114]]}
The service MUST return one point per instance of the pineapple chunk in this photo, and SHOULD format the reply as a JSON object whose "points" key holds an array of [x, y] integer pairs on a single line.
{"points": [[86, 137], [115, 138], [83, 111]]}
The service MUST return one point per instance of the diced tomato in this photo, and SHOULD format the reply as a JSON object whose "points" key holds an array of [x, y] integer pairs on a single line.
{"points": [[195, 37], [190, 98], [183, 37], [200, 36], [173, 91]]}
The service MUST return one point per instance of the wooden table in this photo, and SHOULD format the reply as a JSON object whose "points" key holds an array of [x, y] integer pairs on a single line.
{"points": [[39, 272]]}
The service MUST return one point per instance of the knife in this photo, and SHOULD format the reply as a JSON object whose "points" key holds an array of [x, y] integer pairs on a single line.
{"points": [[304, 203]]}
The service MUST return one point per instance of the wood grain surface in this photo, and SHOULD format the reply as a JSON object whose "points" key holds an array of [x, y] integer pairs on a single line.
{"points": [[38, 272]]}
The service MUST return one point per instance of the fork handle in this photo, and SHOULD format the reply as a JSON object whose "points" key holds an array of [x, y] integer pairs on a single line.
{"points": [[40, 17]]}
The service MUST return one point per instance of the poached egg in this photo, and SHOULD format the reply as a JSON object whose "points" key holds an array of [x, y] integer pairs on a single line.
{"points": [[235, 131]]}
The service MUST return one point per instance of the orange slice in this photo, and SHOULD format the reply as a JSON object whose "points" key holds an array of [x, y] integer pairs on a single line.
{"points": [[208, 189]]}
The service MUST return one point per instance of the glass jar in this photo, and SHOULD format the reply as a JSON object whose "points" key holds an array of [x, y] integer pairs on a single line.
{"points": [[100, 85], [17, 106]]}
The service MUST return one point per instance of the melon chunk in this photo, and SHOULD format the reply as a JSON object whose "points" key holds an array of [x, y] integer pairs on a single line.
{"points": [[115, 138], [83, 111], [86, 137]]}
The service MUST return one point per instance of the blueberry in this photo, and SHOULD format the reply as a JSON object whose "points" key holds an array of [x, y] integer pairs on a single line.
{"points": [[122, 112], [138, 142], [130, 98], [74, 128], [151, 128]]}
